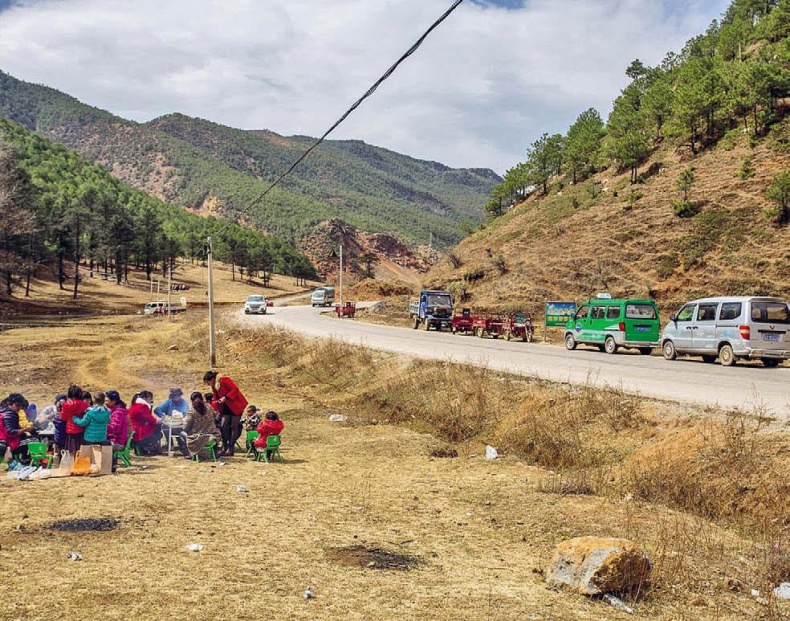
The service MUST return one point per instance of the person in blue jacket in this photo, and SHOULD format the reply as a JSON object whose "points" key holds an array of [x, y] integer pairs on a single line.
{"points": [[174, 403]]}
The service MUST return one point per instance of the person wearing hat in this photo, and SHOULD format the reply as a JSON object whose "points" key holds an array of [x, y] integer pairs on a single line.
{"points": [[13, 435], [175, 402]]}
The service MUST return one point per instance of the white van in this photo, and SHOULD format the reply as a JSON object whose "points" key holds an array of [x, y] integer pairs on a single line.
{"points": [[323, 296], [730, 328]]}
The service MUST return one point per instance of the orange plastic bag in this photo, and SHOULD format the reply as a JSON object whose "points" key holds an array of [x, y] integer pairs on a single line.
{"points": [[82, 465]]}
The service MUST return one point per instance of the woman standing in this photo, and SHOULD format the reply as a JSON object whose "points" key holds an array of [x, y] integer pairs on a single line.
{"points": [[74, 406], [147, 427], [199, 427], [229, 403]]}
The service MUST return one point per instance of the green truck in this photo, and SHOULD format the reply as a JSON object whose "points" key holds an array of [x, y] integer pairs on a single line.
{"points": [[610, 324]]}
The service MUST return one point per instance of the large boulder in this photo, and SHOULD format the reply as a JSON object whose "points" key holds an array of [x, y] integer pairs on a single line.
{"points": [[593, 565]]}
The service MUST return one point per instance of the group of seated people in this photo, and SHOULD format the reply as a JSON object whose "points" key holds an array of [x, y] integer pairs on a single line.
{"points": [[79, 417]]}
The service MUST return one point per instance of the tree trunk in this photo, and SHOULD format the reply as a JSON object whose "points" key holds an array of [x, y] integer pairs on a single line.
{"points": [[61, 275], [27, 282]]}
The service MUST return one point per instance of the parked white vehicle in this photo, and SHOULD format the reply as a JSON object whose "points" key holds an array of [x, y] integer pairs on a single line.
{"points": [[730, 328], [255, 305]]}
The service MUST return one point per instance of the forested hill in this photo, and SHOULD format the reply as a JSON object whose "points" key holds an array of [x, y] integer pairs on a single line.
{"points": [[683, 191], [220, 170], [59, 210]]}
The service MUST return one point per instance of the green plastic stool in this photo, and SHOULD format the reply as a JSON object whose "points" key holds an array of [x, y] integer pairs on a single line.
{"points": [[210, 448], [273, 445]]}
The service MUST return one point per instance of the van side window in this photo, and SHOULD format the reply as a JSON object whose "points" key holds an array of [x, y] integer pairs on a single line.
{"points": [[707, 312], [597, 312], [686, 313], [582, 312], [730, 311], [613, 312]]}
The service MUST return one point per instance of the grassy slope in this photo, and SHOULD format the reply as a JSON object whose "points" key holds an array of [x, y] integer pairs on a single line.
{"points": [[97, 296], [550, 249]]}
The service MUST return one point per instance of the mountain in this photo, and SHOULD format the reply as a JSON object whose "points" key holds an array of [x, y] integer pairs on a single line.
{"points": [[683, 192], [220, 170]]}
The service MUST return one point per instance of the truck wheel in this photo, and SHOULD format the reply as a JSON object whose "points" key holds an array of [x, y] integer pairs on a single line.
{"points": [[570, 342], [427, 325], [416, 323], [770, 363], [480, 332], [609, 345], [668, 349], [726, 356]]}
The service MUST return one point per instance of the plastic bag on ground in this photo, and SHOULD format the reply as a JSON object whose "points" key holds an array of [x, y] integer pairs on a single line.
{"points": [[491, 452]]}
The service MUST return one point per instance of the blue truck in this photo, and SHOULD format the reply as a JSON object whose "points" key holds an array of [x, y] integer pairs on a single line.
{"points": [[434, 309]]}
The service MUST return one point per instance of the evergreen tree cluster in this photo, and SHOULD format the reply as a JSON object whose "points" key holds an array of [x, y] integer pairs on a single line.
{"points": [[62, 211], [733, 74]]}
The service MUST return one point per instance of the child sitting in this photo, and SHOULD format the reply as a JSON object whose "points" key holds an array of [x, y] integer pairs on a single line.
{"points": [[271, 425]]}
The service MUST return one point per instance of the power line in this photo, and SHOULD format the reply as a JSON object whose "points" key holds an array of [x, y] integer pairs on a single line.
{"points": [[353, 107]]}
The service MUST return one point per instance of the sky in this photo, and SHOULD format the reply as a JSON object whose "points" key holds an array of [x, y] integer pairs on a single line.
{"points": [[483, 87]]}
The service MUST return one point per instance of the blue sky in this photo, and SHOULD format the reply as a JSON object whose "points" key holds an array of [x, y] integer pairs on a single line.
{"points": [[485, 85]]}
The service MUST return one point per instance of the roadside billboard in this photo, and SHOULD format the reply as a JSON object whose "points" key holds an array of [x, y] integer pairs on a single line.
{"points": [[558, 313]]}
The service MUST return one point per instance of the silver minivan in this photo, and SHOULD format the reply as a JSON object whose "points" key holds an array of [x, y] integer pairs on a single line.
{"points": [[730, 328]]}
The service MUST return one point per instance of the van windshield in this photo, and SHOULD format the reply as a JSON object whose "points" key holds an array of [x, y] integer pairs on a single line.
{"points": [[640, 311], [770, 312]]}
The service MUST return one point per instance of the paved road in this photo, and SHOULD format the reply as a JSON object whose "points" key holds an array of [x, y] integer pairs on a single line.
{"points": [[746, 385]]}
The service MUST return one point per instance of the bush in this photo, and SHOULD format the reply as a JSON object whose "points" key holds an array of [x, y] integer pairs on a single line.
{"points": [[746, 170], [684, 209]]}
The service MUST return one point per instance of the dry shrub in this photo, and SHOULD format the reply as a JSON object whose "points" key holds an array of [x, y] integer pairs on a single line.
{"points": [[335, 362], [457, 402], [572, 426], [724, 470]]}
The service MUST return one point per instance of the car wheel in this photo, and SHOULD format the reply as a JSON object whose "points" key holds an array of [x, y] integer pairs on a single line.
{"points": [[645, 351], [726, 356], [771, 363], [709, 359], [570, 342], [609, 345], [668, 349]]}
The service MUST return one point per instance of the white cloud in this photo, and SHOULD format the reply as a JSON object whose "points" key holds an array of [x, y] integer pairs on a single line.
{"points": [[484, 85]]}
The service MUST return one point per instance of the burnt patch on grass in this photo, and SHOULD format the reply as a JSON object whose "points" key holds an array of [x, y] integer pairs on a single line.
{"points": [[85, 525], [373, 558]]}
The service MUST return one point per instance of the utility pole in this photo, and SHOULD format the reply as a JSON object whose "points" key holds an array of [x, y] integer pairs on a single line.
{"points": [[169, 290], [340, 283], [212, 351]]}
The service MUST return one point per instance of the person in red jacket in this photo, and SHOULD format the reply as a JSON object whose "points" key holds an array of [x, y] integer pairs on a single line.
{"points": [[229, 403], [147, 427], [74, 406], [271, 425]]}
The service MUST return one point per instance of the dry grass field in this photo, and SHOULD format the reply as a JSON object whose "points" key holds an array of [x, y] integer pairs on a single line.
{"points": [[376, 514]]}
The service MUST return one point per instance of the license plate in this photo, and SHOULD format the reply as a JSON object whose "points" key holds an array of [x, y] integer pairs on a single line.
{"points": [[642, 328], [771, 337]]}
